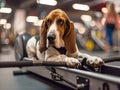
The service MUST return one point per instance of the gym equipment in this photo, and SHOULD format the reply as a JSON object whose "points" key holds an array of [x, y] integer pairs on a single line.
{"points": [[20, 44], [27, 62], [90, 40], [96, 37], [106, 77]]}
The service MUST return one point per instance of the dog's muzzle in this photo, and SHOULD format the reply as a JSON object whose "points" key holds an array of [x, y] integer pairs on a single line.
{"points": [[51, 37]]}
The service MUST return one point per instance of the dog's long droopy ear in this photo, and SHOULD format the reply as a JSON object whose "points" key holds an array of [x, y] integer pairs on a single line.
{"points": [[70, 38], [43, 33]]}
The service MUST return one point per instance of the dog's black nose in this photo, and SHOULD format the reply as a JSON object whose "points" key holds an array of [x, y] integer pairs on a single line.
{"points": [[51, 37]]}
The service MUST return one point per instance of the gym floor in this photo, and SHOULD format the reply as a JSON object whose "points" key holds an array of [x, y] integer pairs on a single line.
{"points": [[9, 81]]}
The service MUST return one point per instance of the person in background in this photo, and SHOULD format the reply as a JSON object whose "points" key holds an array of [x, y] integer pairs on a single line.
{"points": [[110, 24]]}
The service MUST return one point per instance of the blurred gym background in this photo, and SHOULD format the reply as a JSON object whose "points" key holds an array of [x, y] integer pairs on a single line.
{"points": [[20, 16], [25, 16]]}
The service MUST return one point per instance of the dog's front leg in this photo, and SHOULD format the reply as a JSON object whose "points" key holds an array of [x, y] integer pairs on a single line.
{"points": [[70, 61], [32, 56], [52, 54]]}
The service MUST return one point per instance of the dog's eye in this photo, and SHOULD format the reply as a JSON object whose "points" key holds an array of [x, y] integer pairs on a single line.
{"points": [[60, 21], [48, 22]]}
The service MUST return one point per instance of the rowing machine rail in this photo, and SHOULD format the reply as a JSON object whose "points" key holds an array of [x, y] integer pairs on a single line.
{"points": [[81, 79]]}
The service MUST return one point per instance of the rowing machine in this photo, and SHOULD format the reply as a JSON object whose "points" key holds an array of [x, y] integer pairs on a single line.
{"points": [[84, 78], [107, 77]]}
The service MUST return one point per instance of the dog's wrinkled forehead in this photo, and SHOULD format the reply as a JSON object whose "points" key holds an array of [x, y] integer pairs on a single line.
{"points": [[57, 14]]}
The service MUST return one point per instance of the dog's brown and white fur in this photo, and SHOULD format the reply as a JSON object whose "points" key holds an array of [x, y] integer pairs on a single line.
{"points": [[57, 31]]}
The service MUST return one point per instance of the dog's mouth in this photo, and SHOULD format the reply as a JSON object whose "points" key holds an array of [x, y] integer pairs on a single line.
{"points": [[50, 43]]}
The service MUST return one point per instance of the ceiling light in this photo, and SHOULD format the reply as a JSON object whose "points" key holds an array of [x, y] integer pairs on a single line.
{"points": [[3, 21], [80, 28], [47, 2], [104, 10], [86, 17], [81, 7], [32, 19], [38, 23], [7, 26], [5, 10]]}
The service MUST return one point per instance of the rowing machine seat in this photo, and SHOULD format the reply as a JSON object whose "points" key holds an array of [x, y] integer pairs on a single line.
{"points": [[20, 44]]}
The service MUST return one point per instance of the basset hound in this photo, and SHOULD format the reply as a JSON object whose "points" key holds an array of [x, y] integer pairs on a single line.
{"points": [[58, 42]]}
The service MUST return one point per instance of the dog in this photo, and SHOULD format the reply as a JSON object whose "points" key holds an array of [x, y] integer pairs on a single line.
{"points": [[58, 42]]}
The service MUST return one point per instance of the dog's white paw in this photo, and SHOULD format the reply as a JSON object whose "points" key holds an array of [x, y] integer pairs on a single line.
{"points": [[72, 62], [95, 61]]}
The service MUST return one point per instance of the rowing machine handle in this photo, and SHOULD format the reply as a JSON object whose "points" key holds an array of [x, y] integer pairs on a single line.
{"points": [[27, 63], [6, 64]]}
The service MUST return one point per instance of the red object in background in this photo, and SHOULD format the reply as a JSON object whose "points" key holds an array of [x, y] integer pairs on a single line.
{"points": [[98, 7], [119, 22]]}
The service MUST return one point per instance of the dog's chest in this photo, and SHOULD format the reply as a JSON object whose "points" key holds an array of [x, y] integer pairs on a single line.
{"points": [[61, 50]]}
